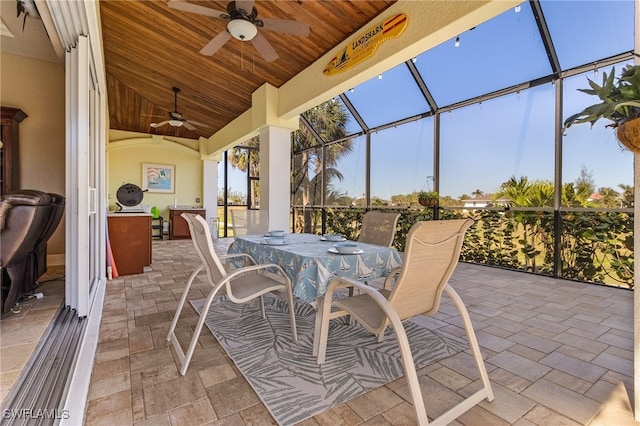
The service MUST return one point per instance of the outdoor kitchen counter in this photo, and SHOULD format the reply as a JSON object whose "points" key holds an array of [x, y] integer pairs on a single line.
{"points": [[130, 239], [178, 228]]}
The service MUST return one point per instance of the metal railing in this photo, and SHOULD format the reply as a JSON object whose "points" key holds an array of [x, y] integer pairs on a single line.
{"points": [[587, 245]]}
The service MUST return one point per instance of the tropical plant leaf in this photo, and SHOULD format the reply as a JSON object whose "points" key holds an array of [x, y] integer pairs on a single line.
{"points": [[620, 99]]}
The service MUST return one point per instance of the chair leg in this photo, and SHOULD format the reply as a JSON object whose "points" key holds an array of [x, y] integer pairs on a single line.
{"points": [[317, 324], [322, 331], [473, 341], [264, 313], [486, 392], [292, 313], [186, 359], [411, 376], [183, 299]]}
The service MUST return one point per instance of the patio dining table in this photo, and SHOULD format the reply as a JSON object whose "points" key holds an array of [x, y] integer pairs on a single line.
{"points": [[310, 265]]}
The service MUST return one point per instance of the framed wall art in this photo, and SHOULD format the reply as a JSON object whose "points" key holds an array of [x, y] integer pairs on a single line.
{"points": [[158, 177]]}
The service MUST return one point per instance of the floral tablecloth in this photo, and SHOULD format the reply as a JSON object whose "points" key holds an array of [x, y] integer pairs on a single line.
{"points": [[307, 261]]}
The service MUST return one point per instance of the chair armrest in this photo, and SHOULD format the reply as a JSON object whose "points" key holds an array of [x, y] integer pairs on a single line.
{"points": [[391, 277], [345, 282], [5, 206], [237, 255], [341, 282], [252, 268]]}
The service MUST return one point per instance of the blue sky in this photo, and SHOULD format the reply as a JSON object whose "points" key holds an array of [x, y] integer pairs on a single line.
{"points": [[484, 144]]}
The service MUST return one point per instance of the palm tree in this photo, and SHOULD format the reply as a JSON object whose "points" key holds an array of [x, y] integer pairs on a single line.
{"points": [[627, 195], [541, 194], [245, 158], [516, 190], [576, 195], [309, 170], [523, 193], [610, 197], [313, 165]]}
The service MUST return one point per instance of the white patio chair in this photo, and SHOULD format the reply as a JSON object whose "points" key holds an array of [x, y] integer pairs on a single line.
{"points": [[240, 285], [432, 252], [378, 228], [249, 222]]}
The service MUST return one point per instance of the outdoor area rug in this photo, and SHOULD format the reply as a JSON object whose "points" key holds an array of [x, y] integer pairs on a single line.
{"points": [[284, 373]]}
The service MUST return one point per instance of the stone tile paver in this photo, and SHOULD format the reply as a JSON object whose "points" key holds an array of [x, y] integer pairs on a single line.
{"points": [[557, 352]]}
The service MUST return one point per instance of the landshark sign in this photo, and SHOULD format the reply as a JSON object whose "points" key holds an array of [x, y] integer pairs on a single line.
{"points": [[365, 44]]}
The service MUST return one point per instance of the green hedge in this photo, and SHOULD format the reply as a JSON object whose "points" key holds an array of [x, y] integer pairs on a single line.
{"points": [[595, 247]]}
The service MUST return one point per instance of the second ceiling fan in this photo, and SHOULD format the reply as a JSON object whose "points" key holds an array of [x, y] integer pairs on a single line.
{"points": [[176, 119], [243, 25]]}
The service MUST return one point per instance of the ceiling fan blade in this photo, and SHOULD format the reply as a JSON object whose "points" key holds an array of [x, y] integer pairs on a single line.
{"points": [[194, 8], [263, 47], [197, 123], [245, 4], [287, 26], [216, 43], [156, 125], [188, 125]]}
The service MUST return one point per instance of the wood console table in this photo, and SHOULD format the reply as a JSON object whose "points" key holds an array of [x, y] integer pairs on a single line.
{"points": [[130, 238]]}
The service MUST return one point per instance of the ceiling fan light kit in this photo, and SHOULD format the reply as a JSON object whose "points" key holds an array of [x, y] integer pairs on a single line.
{"points": [[176, 123], [242, 30], [243, 24]]}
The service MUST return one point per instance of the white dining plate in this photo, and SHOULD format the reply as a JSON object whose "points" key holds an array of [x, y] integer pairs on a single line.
{"points": [[274, 243], [333, 241], [356, 251]]}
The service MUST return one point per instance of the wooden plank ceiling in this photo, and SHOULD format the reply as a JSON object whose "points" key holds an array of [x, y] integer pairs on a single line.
{"points": [[150, 48]]}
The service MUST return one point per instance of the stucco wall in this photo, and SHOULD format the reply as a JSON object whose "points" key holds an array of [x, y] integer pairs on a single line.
{"points": [[125, 159], [37, 88]]}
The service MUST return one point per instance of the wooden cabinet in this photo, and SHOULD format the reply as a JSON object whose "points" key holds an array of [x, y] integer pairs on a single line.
{"points": [[178, 228], [130, 238], [9, 150]]}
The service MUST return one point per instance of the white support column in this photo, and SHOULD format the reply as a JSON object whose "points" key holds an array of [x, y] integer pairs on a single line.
{"points": [[210, 191], [275, 172]]}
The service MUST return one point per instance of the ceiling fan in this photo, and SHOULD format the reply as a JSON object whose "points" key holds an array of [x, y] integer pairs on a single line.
{"points": [[176, 119], [29, 8], [243, 25]]}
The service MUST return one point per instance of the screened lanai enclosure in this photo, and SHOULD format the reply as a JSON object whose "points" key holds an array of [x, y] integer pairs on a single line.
{"points": [[478, 119]]}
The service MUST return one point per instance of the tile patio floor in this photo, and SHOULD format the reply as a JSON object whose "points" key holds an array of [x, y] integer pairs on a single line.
{"points": [[557, 352], [21, 331]]}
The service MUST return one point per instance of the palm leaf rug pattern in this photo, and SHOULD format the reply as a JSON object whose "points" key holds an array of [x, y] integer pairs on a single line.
{"points": [[284, 373]]}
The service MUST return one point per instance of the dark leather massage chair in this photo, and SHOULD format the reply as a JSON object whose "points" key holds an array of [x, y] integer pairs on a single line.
{"points": [[28, 218]]}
